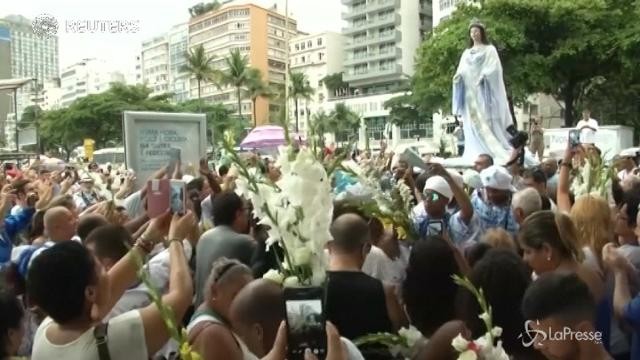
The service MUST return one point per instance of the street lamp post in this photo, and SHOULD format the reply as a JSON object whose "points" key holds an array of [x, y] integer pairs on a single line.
{"points": [[15, 115]]}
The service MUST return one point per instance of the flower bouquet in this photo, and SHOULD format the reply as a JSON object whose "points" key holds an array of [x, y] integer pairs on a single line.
{"points": [[403, 345], [484, 347], [297, 210], [392, 208], [593, 177]]}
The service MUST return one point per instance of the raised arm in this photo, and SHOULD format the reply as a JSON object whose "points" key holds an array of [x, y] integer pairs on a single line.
{"points": [[562, 196], [180, 286]]}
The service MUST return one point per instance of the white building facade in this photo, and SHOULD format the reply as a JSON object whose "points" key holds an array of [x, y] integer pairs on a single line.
{"points": [[178, 47], [89, 76], [381, 40], [154, 63], [316, 56]]}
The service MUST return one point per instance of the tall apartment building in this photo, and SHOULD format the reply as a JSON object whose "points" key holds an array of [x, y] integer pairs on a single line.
{"points": [[381, 39], [154, 62], [383, 36], [178, 47], [89, 76], [316, 56], [51, 95], [257, 33], [30, 57]]}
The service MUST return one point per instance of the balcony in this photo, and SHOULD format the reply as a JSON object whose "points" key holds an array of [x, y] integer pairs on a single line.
{"points": [[370, 7], [372, 73], [395, 36], [354, 12], [390, 53], [391, 19], [382, 5]]}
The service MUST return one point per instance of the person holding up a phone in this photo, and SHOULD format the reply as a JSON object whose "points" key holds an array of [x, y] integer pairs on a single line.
{"points": [[431, 217]]}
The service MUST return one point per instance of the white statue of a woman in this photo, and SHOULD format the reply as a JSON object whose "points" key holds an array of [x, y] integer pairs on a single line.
{"points": [[480, 98]]}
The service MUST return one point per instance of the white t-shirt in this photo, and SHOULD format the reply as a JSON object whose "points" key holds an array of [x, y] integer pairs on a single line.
{"points": [[380, 266], [125, 341]]}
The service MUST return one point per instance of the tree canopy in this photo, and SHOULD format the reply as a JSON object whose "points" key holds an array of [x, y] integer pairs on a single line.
{"points": [[570, 49], [99, 116]]}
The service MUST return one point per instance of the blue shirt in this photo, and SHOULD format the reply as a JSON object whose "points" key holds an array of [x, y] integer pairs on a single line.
{"points": [[631, 315], [459, 232], [13, 224], [491, 216]]}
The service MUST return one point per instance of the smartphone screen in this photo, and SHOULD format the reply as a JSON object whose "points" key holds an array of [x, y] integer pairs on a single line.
{"points": [[178, 196], [175, 156], [305, 322], [435, 227], [574, 138]]}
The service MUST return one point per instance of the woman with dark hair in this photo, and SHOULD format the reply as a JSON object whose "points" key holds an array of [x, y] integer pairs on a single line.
{"points": [[428, 288], [495, 269], [480, 99], [11, 325]]}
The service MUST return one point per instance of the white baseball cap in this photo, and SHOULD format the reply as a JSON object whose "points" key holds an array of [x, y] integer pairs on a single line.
{"points": [[457, 178], [472, 179], [497, 177], [439, 185]]}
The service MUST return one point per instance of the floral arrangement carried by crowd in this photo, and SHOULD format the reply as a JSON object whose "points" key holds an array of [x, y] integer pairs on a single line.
{"points": [[297, 210], [403, 345], [392, 207], [486, 347], [593, 177]]}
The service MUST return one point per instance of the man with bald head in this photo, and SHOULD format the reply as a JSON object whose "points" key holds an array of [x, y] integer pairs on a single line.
{"points": [[60, 225], [256, 314], [352, 294]]}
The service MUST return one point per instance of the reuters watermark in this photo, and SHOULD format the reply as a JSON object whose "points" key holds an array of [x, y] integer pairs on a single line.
{"points": [[46, 25], [533, 335]]}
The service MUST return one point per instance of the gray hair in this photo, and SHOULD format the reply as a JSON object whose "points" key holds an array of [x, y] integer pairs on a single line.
{"points": [[528, 200]]}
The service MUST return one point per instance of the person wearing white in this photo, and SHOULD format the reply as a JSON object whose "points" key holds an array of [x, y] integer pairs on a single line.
{"points": [[588, 128], [628, 163], [75, 308], [380, 266]]}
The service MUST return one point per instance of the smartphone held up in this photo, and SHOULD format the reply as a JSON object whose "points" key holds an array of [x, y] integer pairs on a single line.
{"points": [[305, 316], [165, 195]]}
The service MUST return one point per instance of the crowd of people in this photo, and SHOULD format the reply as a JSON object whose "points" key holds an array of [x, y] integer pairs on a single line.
{"points": [[549, 262]]}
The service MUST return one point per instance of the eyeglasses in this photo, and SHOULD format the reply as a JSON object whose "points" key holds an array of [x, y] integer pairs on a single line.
{"points": [[431, 196]]}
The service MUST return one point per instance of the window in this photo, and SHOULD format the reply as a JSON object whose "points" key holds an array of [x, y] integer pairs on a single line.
{"points": [[302, 46], [303, 60], [319, 41], [309, 44], [320, 56], [320, 83], [297, 47]]}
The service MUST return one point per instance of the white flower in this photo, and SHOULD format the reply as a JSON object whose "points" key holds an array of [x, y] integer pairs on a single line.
{"points": [[459, 343], [485, 317], [302, 256], [496, 331], [468, 355], [274, 275], [411, 334], [291, 281]]}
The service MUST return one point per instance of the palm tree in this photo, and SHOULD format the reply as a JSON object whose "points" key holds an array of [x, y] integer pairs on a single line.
{"points": [[320, 124], [199, 65], [299, 89], [236, 75], [344, 119], [256, 87]]}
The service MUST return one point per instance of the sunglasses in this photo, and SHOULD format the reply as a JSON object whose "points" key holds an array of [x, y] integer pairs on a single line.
{"points": [[431, 196]]}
